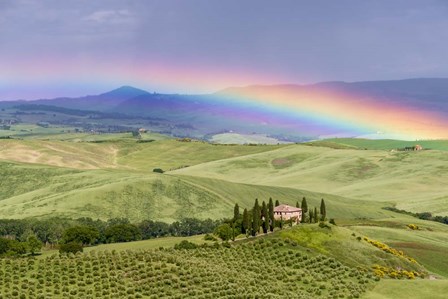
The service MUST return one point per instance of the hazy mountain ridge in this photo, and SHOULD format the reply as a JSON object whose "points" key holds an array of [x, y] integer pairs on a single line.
{"points": [[223, 111]]}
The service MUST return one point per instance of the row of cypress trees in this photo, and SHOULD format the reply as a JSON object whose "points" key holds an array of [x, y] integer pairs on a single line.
{"points": [[250, 221], [312, 215]]}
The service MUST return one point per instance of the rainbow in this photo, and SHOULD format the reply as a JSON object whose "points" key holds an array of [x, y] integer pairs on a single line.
{"points": [[338, 114], [319, 112]]}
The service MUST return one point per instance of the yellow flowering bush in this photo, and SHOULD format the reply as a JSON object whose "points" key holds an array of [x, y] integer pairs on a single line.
{"points": [[390, 250], [413, 226], [381, 271]]}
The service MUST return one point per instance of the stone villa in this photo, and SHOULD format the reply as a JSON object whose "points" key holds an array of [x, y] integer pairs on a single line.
{"points": [[285, 212]]}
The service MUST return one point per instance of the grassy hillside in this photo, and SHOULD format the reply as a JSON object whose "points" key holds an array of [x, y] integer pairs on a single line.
{"points": [[388, 289], [31, 190], [428, 245], [113, 177], [235, 138], [125, 153], [384, 144], [413, 181]]}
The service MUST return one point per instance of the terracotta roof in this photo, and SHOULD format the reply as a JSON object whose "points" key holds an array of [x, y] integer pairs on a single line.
{"points": [[286, 208]]}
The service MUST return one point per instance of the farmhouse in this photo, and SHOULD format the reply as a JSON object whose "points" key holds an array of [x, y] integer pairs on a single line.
{"points": [[285, 212]]}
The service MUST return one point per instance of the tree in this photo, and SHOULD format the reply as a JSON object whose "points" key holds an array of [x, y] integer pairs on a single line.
{"points": [[224, 232], [277, 203], [122, 233], [323, 210], [316, 215], [83, 234], [310, 220], [304, 205], [265, 217], [34, 244], [153, 229], [246, 222], [271, 214], [18, 248], [304, 209], [255, 218], [297, 204], [236, 212], [115, 221], [4, 245]]}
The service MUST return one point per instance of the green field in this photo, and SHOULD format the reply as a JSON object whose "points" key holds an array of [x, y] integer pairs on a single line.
{"points": [[111, 175], [385, 144], [388, 289], [413, 181]]}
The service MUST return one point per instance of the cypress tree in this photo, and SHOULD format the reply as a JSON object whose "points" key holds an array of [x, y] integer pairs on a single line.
{"points": [[255, 218], [297, 204], [310, 220], [277, 203], [271, 215], [316, 216], [245, 221], [265, 217], [304, 205], [323, 210], [236, 212], [304, 209]]}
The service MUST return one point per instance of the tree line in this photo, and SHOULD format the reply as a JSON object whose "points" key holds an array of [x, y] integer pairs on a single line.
{"points": [[261, 218], [16, 235], [422, 215]]}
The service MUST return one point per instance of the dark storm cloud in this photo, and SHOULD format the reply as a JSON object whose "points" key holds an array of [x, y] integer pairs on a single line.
{"points": [[302, 41]]}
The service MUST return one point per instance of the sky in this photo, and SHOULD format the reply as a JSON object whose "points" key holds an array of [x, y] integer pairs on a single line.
{"points": [[51, 48]]}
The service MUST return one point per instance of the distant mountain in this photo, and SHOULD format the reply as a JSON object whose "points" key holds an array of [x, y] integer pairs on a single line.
{"points": [[101, 102], [264, 108]]}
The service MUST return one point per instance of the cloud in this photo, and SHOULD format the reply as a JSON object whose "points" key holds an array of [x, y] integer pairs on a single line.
{"points": [[110, 16]]}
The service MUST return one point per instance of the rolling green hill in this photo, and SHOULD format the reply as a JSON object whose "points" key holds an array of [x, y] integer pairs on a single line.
{"points": [[112, 177], [384, 144], [413, 181]]}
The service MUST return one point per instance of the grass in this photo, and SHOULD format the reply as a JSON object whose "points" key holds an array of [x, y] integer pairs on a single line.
{"points": [[111, 176], [36, 190], [410, 180], [385, 144], [427, 245], [342, 244], [234, 138], [388, 289]]}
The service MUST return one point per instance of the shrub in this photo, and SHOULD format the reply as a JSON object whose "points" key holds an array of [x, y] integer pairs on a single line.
{"points": [[209, 237], [224, 232], [71, 247], [413, 226], [185, 245], [322, 224], [158, 170]]}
